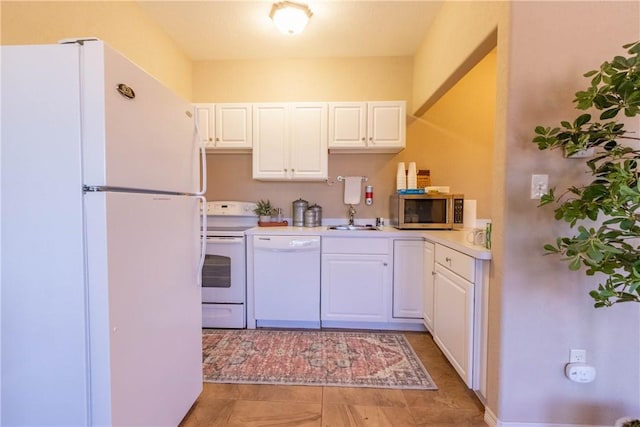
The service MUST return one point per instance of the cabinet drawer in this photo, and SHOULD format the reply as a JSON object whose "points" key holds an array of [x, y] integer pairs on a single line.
{"points": [[350, 245], [461, 264]]}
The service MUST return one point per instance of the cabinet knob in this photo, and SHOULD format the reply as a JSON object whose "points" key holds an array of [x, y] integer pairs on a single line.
{"points": [[210, 139], [370, 138], [384, 263], [448, 260], [364, 139], [433, 273], [217, 139]]}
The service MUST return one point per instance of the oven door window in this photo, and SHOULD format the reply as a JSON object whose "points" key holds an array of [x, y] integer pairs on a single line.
{"points": [[216, 272]]}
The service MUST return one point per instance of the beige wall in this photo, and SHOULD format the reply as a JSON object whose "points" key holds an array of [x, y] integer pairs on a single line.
{"points": [[331, 79], [462, 34], [454, 138], [121, 24], [546, 310]]}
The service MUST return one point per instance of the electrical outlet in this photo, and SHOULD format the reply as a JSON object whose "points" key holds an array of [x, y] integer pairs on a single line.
{"points": [[580, 372], [539, 185], [578, 356]]}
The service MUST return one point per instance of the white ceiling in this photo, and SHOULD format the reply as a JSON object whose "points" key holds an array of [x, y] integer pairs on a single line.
{"points": [[239, 29]]}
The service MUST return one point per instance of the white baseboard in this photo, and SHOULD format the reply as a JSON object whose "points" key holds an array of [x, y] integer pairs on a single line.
{"points": [[493, 421], [490, 418]]}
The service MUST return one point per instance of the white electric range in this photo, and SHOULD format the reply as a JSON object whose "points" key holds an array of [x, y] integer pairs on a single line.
{"points": [[224, 281]]}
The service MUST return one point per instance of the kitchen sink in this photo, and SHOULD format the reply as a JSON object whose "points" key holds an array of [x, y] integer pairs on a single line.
{"points": [[353, 227]]}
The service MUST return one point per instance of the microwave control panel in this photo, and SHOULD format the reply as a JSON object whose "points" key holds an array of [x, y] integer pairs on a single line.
{"points": [[458, 211]]}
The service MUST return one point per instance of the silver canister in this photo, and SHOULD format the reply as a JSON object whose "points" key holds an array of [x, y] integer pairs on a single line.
{"points": [[317, 210], [309, 218], [298, 210]]}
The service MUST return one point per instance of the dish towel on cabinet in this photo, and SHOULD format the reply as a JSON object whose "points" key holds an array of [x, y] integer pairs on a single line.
{"points": [[352, 190]]}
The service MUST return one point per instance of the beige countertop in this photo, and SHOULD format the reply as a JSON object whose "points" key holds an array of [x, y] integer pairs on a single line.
{"points": [[455, 239]]}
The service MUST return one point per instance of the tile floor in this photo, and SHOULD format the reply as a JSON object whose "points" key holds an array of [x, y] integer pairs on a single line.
{"points": [[240, 405]]}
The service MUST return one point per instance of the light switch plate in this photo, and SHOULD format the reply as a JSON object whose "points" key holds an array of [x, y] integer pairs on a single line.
{"points": [[539, 185]]}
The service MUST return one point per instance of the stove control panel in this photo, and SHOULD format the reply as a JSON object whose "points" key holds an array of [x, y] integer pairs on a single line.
{"points": [[231, 208]]}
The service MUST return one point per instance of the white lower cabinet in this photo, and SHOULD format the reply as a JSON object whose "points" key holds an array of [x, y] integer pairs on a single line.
{"points": [[355, 280], [428, 280], [354, 287], [407, 279], [453, 310], [459, 291]]}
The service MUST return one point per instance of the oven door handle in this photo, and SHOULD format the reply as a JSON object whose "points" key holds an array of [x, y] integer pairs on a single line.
{"points": [[225, 240], [203, 242]]}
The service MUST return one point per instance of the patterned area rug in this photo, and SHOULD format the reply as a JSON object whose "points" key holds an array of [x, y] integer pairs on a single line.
{"points": [[347, 359]]}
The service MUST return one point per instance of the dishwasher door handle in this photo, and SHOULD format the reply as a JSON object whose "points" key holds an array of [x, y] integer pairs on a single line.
{"points": [[286, 243], [289, 249]]}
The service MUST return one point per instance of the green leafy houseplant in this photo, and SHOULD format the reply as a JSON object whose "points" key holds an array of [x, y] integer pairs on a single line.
{"points": [[263, 208], [607, 210]]}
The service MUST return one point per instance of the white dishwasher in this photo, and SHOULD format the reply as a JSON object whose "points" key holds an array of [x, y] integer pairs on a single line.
{"points": [[286, 273]]}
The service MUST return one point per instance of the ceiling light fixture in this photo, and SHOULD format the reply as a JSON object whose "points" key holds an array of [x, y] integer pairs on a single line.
{"points": [[290, 18]]}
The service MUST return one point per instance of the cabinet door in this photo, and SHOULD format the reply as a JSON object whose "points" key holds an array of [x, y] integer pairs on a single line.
{"points": [[428, 283], [233, 126], [308, 142], [205, 123], [386, 125], [453, 320], [355, 287], [407, 278], [348, 125], [270, 155]]}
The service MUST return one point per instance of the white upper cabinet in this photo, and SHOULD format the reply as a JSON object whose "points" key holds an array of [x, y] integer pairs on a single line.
{"points": [[205, 123], [290, 141], [224, 127], [375, 127], [233, 127], [348, 125]]}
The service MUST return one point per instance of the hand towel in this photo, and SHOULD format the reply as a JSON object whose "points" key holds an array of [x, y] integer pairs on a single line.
{"points": [[352, 190]]}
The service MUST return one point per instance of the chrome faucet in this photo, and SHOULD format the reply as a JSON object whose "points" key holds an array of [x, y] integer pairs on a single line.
{"points": [[352, 212]]}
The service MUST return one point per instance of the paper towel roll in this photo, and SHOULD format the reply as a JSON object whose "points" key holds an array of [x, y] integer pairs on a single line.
{"points": [[469, 213], [352, 190]]}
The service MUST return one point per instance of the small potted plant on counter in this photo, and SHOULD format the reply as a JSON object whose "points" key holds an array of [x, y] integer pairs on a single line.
{"points": [[263, 210]]}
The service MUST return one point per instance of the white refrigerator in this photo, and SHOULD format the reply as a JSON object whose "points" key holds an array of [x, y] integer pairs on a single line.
{"points": [[100, 241]]}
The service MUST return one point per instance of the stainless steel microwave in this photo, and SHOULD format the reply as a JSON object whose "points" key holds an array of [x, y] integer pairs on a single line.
{"points": [[426, 211]]}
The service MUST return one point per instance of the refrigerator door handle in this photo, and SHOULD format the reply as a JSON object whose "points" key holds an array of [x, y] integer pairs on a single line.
{"points": [[203, 239], [203, 159]]}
